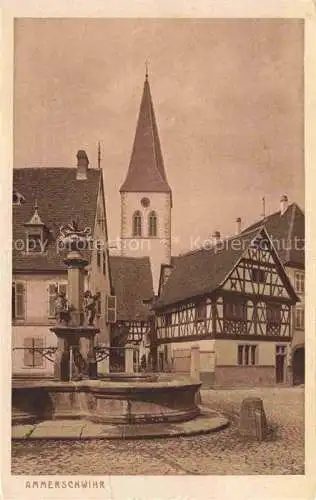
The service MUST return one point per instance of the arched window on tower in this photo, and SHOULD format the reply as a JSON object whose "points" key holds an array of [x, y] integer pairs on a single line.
{"points": [[152, 224], [137, 223]]}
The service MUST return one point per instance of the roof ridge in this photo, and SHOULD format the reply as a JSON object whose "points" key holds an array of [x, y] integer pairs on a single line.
{"points": [[226, 239], [144, 257]]}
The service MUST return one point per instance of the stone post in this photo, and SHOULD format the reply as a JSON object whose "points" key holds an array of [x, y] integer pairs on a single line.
{"points": [[129, 359], [195, 363], [253, 422]]}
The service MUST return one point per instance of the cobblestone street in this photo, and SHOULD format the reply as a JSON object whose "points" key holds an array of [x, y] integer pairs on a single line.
{"points": [[223, 452]]}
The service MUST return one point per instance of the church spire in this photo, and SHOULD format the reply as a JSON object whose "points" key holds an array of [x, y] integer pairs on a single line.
{"points": [[146, 172]]}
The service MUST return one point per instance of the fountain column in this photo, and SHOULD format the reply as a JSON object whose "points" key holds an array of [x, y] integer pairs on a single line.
{"points": [[73, 331], [76, 264]]}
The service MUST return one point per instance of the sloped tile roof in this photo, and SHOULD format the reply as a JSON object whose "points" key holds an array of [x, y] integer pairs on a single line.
{"points": [[146, 172], [132, 283], [204, 270], [60, 199], [287, 232]]}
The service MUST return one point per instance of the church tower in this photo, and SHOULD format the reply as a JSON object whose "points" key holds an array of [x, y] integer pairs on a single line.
{"points": [[146, 198]]}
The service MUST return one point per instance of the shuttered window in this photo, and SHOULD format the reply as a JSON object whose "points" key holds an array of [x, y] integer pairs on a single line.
{"points": [[110, 309], [18, 300], [32, 357], [299, 318]]}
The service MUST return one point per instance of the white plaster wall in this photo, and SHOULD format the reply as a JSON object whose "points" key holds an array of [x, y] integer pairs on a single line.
{"points": [[37, 296], [226, 351], [157, 248]]}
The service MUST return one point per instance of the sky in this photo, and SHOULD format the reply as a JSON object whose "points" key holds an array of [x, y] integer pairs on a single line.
{"points": [[228, 98]]}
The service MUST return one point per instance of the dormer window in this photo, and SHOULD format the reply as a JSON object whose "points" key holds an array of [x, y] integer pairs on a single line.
{"points": [[35, 230], [34, 241], [17, 198]]}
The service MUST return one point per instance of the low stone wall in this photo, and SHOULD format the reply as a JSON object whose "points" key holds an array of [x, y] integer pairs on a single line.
{"points": [[244, 376]]}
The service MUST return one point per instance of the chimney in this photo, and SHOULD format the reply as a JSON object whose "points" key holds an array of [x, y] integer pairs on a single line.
{"points": [[283, 203], [238, 225], [216, 236], [263, 212], [82, 165]]}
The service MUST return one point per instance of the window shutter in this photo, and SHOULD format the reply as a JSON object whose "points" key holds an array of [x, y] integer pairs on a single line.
{"points": [[20, 300], [51, 299], [28, 352], [111, 309], [38, 358]]}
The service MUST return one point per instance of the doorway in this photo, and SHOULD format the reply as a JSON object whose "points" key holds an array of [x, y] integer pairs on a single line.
{"points": [[298, 366], [280, 364]]}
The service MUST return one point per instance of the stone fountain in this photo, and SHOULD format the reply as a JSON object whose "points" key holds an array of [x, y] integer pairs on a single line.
{"points": [[74, 329], [120, 401]]}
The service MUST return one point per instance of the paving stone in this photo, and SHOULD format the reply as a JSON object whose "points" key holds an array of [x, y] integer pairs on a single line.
{"points": [[22, 431], [219, 453], [59, 429]]}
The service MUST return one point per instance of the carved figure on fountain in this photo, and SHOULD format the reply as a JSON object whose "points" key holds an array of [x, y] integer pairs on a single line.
{"points": [[90, 306], [73, 238], [62, 308]]}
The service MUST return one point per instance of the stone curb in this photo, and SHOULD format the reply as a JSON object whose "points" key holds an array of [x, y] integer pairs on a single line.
{"points": [[209, 421]]}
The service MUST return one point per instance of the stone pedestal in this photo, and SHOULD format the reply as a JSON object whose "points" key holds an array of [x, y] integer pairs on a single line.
{"points": [[62, 360], [253, 422], [129, 359], [81, 340], [195, 363]]}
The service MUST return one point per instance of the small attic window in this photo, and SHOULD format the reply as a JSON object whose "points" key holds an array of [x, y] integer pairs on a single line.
{"points": [[35, 241], [35, 229], [17, 198]]}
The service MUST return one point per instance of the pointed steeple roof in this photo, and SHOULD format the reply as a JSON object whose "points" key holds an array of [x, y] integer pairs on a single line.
{"points": [[146, 171]]}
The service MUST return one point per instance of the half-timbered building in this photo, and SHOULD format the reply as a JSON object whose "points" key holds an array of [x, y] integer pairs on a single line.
{"points": [[234, 300], [133, 287], [286, 228]]}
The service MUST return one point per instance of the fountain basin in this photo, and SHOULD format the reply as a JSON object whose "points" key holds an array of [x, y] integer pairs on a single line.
{"points": [[106, 401]]}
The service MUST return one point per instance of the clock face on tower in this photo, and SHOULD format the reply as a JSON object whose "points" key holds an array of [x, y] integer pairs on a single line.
{"points": [[145, 202]]}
